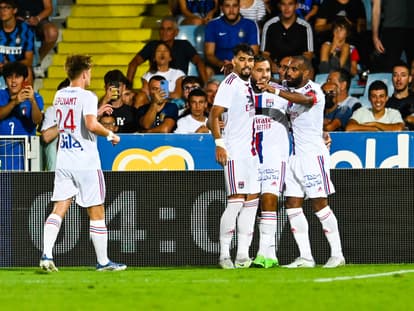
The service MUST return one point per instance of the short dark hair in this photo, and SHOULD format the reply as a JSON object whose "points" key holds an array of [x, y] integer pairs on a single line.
{"points": [[307, 64], [16, 68], [376, 86], [344, 75], [156, 78], [401, 63], [115, 76], [12, 3], [259, 58], [192, 79], [197, 92], [243, 47]]}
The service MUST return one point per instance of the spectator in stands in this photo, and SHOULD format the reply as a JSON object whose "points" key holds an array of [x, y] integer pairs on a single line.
{"points": [[189, 83], [342, 78], [286, 35], [37, 14], [254, 10], [377, 118], [402, 99], [109, 122], [16, 38], [397, 25], [160, 66], [194, 118], [128, 95], [182, 51], [20, 106], [125, 115], [339, 53], [307, 10], [335, 116], [196, 12], [224, 33], [211, 91], [160, 115], [330, 10]]}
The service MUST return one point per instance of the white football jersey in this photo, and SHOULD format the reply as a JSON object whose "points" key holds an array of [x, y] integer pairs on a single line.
{"points": [[270, 136], [236, 96], [307, 121], [77, 145]]}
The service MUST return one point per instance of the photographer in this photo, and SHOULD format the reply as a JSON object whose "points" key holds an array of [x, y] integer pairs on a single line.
{"points": [[126, 116], [335, 117]]}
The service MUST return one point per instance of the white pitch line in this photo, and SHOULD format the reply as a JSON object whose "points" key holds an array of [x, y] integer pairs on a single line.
{"points": [[363, 276]]}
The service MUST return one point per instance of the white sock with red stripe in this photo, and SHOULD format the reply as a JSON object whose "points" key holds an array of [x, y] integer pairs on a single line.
{"points": [[50, 233], [245, 227], [300, 227], [267, 230], [99, 236], [228, 225], [330, 228]]}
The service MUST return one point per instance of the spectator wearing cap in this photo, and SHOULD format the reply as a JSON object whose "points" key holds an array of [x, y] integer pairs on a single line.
{"points": [[125, 115]]}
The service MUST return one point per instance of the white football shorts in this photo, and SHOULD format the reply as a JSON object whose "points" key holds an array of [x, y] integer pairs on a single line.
{"points": [[242, 176], [87, 185]]}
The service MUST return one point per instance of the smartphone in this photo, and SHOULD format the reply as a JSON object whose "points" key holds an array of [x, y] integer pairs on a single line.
{"points": [[114, 85], [164, 87]]}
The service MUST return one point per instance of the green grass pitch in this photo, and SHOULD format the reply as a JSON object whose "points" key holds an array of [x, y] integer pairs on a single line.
{"points": [[351, 288]]}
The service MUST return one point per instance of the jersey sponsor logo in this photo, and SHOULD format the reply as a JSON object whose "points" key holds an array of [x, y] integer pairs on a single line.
{"points": [[161, 158], [68, 142], [11, 50]]}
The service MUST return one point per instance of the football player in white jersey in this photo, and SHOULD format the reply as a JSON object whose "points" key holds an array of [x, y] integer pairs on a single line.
{"points": [[272, 145], [78, 167], [308, 168], [234, 104]]}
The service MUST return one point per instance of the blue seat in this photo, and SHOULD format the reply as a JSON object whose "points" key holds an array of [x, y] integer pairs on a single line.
{"points": [[320, 78], [194, 34]]}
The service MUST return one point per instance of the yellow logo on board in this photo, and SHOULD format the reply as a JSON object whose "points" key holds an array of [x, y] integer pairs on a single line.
{"points": [[162, 158]]}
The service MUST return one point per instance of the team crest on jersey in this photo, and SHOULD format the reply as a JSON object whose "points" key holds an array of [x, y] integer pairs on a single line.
{"points": [[269, 102], [240, 185], [241, 33]]}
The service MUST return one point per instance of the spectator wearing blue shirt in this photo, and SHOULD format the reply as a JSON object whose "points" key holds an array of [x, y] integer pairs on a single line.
{"points": [[16, 37], [160, 115], [223, 33], [335, 117]]}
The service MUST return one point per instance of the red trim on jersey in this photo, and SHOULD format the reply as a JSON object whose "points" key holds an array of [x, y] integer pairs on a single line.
{"points": [[312, 93]]}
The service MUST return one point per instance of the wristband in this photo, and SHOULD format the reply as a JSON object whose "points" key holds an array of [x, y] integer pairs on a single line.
{"points": [[220, 143], [277, 92], [110, 136]]}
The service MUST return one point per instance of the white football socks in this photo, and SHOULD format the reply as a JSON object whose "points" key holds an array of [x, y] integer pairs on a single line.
{"points": [[99, 236], [330, 228], [299, 227], [245, 227], [228, 225], [267, 231], [50, 233]]}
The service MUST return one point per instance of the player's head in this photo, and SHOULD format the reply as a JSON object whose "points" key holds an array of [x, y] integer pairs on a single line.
{"points": [[79, 67], [283, 67], [231, 10], [261, 71], [299, 71], [243, 60]]}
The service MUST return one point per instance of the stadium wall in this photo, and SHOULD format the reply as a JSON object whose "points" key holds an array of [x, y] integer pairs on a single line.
{"points": [[172, 219]]}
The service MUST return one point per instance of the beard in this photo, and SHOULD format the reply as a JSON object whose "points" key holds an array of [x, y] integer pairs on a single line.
{"points": [[294, 82], [245, 73], [254, 86]]}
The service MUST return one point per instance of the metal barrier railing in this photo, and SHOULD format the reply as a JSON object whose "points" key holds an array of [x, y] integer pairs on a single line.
{"points": [[20, 153]]}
